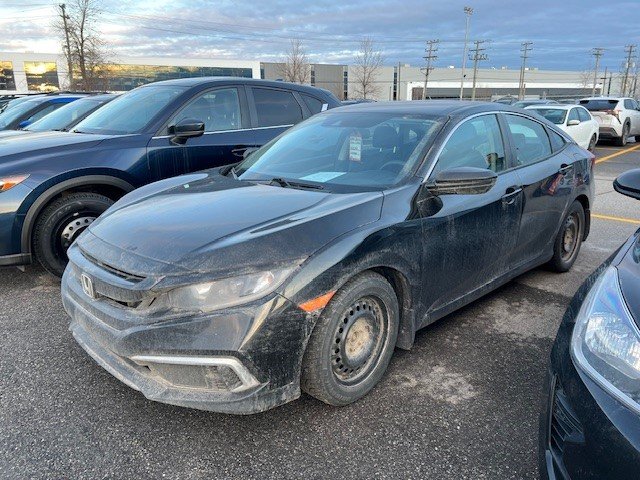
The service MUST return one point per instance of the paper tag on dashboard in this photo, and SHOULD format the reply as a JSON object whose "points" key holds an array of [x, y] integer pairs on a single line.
{"points": [[355, 147]]}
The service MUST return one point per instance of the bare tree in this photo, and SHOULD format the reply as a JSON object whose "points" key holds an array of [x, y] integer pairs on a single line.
{"points": [[83, 47], [367, 65], [586, 80], [296, 67]]}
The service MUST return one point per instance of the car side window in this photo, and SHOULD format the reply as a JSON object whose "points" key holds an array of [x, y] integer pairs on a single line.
{"points": [[44, 112], [573, 115], [557, 141], [628, 104], [583, 114], [313, 104], [530, 139], [276, 107], [475, 143], [218, 109]]}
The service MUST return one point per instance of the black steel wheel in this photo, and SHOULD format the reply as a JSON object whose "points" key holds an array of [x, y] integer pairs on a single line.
{"points": [[569, 239], [60, 224], [352, 343]]}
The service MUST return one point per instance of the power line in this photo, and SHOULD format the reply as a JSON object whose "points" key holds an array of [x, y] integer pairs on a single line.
{"points": [[432, 48]]}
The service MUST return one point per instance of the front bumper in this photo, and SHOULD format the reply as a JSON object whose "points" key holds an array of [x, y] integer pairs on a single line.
{"points": [[584, 432], [242, 360]]}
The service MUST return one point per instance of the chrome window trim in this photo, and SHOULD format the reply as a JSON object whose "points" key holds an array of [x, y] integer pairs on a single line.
{"points": [[228, 131]]}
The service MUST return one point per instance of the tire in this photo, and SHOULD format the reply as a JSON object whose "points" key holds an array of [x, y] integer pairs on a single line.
{"points": [[569, 239], [622, 141], [60, 223], [592, 144], [352, 343], [637, 138]]}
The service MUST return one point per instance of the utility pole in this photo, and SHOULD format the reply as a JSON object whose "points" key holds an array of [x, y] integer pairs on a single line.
{"points": [[597, 52], [65, 17], [476, 57], [604, 82], [525, 49], [629, 49], [468, 11], [431, 50]]}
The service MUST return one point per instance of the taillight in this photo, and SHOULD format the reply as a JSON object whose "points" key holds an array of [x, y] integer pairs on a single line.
{"points": [[592, 159], [615, 113]]}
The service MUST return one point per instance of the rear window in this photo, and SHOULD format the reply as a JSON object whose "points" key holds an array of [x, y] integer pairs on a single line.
{"points": [[554, 115], [599, 105]]}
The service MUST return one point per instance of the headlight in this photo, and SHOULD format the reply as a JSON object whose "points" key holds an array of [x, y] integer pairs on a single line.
{"points": [[9, 182], [224, 293], [606, 341]]}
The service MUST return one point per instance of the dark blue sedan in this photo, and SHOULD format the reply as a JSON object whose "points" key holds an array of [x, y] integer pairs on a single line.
{"points": [[590, 424], [54, 184]]}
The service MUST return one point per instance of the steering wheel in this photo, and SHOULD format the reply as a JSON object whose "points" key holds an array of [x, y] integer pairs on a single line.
{"points": [[391, 166]]}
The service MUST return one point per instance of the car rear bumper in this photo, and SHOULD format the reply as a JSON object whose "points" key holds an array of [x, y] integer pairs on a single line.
{"points": [[584, 432], [242, 360], [610, 131]]}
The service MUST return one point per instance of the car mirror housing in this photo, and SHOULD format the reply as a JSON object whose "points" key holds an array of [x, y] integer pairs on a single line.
{"points": [[572, 123], [628, 184], [185, 129], [463, 181]]}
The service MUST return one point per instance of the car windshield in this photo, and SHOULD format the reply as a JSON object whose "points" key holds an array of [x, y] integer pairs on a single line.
{"points": [[10, 115], [555, 115], [130, 113], [599, 105], [63, 117], [344, 151]]}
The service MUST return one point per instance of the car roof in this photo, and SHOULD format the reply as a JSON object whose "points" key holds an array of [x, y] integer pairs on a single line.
{"points": [[205, 81], [101, 97], [427, 107], [557, 106]]}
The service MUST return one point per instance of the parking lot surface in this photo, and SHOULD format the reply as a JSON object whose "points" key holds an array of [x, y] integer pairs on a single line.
{"points": [[463, 403]]}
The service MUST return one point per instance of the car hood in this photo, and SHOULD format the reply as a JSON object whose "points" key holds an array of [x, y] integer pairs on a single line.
{"points": [[12, 133], [19, 145], [210, 223]]}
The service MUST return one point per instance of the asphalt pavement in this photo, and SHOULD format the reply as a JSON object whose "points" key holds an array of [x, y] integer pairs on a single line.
{"points": [[463, 403]]}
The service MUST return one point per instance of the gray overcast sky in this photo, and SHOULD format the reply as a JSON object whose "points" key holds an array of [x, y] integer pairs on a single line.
{"points": [[563, 32]]}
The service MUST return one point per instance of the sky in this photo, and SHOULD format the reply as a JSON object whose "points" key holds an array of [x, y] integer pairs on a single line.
{"points": [[563, 32]]}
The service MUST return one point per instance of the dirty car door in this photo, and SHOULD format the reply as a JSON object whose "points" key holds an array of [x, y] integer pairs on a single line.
{"points": [[469, 239]]}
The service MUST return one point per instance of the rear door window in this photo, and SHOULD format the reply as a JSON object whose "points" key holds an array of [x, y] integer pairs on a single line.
{"points": [[573, 115], [313, 104], [557, 141], [276, 107], [583, 114], [530, 140]]}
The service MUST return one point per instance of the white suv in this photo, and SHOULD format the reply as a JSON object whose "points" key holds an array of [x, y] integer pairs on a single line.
{"points": [[619, 117]]}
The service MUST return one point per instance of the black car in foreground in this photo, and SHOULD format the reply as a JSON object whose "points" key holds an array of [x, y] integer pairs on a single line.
{"points": [[590, 423], [304, 266]]}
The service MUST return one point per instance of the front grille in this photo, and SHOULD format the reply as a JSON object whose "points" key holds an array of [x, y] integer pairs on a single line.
{"points": [[130, 277], [564, 425]]}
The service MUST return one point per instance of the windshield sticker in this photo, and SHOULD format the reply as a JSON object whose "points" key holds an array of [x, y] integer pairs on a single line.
{"points": [[355, 147], [322, 176]]}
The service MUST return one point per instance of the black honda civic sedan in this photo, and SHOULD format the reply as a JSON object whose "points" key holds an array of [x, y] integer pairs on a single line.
{"points": [[304, 266], [590, 422]]}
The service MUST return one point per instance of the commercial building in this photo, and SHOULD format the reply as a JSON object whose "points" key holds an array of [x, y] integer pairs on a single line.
{"points": [[32, 72]]}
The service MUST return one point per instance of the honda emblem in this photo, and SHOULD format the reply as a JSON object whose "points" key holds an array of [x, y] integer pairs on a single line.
{"points": [[87, 286]]}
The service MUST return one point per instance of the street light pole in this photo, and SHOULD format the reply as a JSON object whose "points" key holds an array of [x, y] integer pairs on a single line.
{"points": [[468, 11]]}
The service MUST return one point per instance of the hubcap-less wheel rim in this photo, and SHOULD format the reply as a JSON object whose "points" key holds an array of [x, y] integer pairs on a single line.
{"points": [[359, 340], [570, 237], [74, 228]]}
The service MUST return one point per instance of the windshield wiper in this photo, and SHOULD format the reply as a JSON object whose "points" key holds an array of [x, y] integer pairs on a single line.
{"points": [[289, 184]]}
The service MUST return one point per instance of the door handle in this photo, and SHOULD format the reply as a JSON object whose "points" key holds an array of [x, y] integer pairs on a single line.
{"points": [[564, 169], [509, 198]]}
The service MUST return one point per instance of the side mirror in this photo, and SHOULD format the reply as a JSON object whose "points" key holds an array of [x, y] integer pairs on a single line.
{"points": [[463, 181], [628, 183], [572, 123], [186, 129]]}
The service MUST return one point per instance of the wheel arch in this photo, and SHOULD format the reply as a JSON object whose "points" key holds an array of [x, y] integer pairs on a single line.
{"points": [[584, 201], [111, 186]]}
